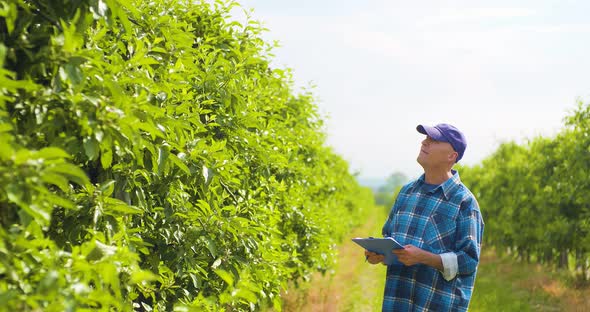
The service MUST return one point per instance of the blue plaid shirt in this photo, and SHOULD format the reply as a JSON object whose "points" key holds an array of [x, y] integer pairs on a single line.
{"points": [[440, 220]]}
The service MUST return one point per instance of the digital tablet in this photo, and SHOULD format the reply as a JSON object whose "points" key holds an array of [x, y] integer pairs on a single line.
{"points": [[383, 246]]}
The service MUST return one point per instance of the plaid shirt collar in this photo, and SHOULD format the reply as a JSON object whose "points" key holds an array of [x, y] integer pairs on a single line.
{"points": [[447, 187]]}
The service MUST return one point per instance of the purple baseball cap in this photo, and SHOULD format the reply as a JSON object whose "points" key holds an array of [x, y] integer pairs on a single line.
{"points": [[446, 133]]}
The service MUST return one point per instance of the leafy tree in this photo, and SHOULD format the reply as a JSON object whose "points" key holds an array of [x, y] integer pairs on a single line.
{"points": [[534, 199], [152, 159]]}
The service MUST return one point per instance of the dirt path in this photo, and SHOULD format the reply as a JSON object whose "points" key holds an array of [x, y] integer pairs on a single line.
{"points": [[353, 285]]}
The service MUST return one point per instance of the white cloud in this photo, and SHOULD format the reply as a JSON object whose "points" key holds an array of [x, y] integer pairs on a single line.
{"points": [[558, 29], [446, 15]]}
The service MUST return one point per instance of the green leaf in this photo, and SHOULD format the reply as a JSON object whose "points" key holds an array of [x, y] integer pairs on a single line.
{"points": [[211, 246], [139, 193], [91, 148], [74, 73], [22, 156], [55, 179], [7, 150], [100, 251], [99, 9], [247, 294], [106, 158], [116, 205], [52, 153], [107, 187], [71, 172], [205, 207], [36, 212], [226, 276], [5, 127], [151, 129], [10, 14], [139, 276], [163, 154], [207, 175], [13, 85], [277, 304], [15, 193], [194, 279], [179, 163], [144, 174], [216, 263], [59, 201]]}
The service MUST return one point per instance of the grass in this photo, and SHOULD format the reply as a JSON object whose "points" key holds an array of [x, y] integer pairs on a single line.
{"points": [[505, 285], [353, 285]]}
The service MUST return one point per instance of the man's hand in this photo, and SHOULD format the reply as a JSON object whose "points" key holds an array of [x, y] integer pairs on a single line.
{"points": [[411, 255], [374, 258]]}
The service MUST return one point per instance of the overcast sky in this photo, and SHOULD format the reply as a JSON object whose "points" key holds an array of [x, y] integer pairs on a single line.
{"points": [[498, 70]]}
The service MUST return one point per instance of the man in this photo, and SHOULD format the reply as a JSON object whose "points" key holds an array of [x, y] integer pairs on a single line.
{"points": [[438, 221]]}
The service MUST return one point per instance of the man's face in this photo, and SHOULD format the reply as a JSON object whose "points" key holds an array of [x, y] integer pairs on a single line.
{"points": [[435, 153]]}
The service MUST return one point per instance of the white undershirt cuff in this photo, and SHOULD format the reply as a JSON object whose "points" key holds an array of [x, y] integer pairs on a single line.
{"points": [[450, 265]]}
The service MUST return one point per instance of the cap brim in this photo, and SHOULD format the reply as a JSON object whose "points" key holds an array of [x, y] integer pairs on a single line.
{"points": [[431, 132]]}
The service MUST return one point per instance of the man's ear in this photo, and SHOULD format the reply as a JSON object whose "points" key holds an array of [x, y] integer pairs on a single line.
{"points": [[453, 157]]}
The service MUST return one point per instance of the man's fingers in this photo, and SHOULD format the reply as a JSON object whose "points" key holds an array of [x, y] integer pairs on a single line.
{"points": [[376, 258]]}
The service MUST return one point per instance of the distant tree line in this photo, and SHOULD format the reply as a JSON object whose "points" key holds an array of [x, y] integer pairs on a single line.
{"points": [[385, 194]]}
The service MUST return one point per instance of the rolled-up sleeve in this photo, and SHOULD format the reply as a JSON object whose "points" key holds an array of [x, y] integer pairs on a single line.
{"points": [[470, 228], [450, 266]]}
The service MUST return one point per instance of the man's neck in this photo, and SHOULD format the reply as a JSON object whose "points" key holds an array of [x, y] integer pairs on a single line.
{"points": [[437, 176]]}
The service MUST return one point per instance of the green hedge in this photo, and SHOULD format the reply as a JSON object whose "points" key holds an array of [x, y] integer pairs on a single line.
{"points": [[535, 198], [151, 159]]}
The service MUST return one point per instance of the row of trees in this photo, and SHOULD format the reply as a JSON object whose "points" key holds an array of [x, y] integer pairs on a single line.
{"points": [[151, 159], [535, 197]]}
